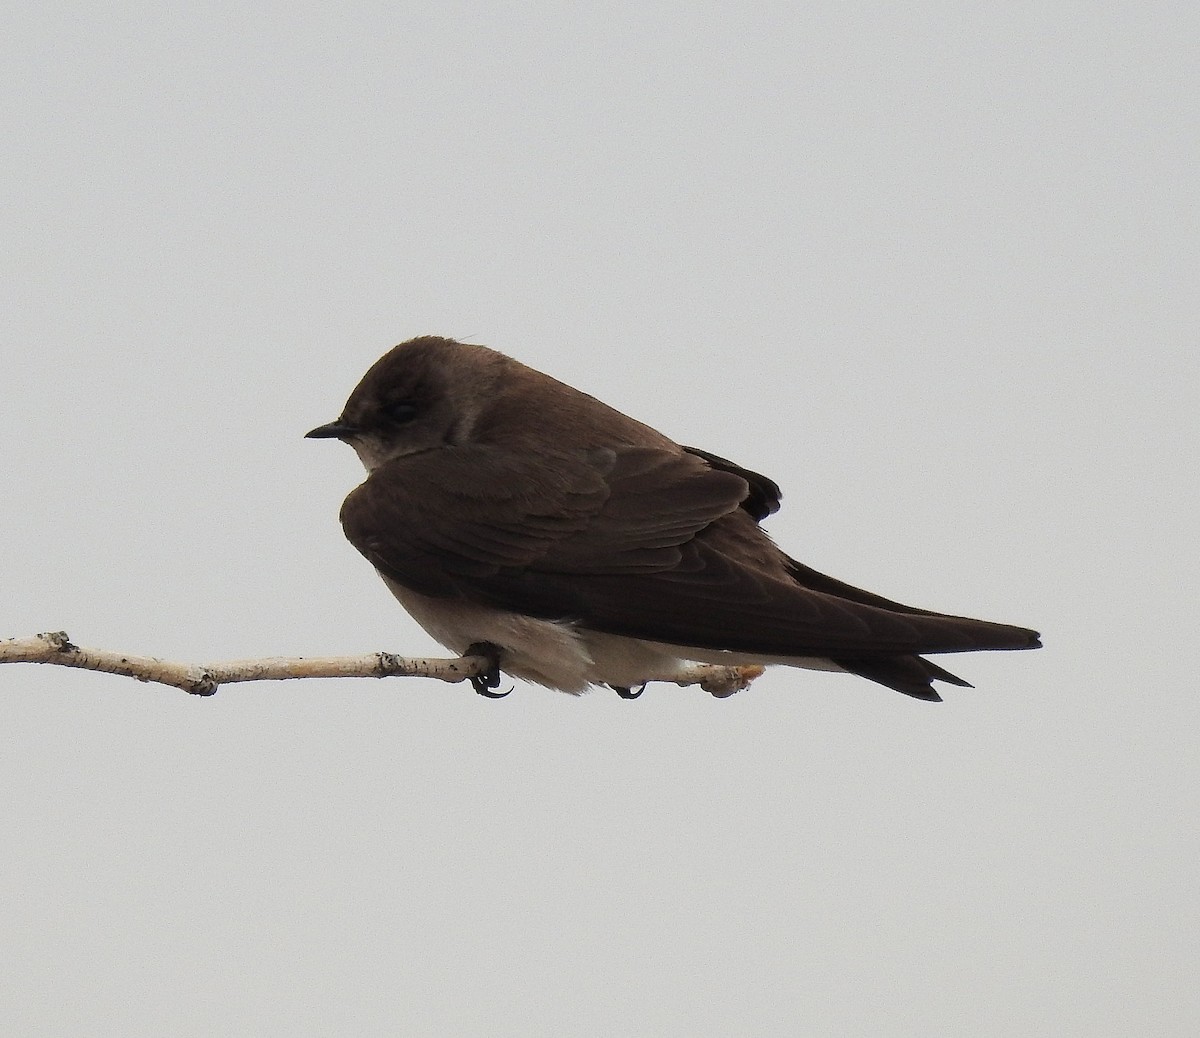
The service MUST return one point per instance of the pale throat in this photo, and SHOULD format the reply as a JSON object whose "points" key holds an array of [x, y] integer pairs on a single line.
{"points": [[371, 452]]}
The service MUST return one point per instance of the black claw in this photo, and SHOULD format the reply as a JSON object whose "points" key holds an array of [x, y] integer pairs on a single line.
{"points": [[490, 678], [627, 693]]}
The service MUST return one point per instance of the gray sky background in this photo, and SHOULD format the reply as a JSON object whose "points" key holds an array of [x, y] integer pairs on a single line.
{"points": [[933, 268]]}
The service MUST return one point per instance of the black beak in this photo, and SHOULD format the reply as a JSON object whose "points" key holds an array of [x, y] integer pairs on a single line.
{"points": [[338, 430]]}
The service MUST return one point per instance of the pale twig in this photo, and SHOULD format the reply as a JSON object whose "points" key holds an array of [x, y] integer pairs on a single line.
{"points": [[204, 679]]}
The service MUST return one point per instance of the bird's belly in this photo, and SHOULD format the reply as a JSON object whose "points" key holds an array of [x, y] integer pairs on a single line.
{"points": [[557, 654], [563, 655], [540, 651]]}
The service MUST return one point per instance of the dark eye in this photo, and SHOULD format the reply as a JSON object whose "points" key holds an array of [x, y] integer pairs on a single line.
{"points": [[401, 411]]}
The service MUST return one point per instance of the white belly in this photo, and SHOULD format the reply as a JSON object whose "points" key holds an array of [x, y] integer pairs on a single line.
{"points": [[562, 655]]}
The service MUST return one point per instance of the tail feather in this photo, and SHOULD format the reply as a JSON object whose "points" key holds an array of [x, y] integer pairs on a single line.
{"points": [[911, 675]]}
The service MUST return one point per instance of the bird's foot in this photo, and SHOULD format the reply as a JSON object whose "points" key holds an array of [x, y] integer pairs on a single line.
{"points": [[625, 692], [485, 682]]}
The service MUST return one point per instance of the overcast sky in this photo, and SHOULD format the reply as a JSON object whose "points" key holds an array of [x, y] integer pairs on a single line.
{"points": [[932, 267]]}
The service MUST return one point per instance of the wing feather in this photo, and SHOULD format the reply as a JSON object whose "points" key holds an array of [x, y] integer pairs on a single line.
{"points": [[642, 542]]}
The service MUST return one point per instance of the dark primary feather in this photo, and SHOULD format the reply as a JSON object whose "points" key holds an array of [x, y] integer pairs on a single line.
{"points": [[911, 675]]}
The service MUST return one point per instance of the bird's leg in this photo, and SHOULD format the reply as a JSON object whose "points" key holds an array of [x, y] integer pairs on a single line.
{"points": [[490, 678], [625, 692]]}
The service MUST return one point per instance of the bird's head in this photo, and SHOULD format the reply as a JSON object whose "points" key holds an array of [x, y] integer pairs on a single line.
{"points": [[421, 395]]}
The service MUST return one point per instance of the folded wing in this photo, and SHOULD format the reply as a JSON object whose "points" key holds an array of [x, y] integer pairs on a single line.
{"points": [[641, 542]]}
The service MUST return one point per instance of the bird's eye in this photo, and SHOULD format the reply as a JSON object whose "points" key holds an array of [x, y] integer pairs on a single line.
{"points": [[401, 411]]}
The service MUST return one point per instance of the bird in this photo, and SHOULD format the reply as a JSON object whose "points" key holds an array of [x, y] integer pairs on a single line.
{"points": [[572, 546]]}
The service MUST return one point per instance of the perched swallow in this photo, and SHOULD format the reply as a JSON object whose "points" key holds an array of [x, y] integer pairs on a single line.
{"points": [[519, 518]]}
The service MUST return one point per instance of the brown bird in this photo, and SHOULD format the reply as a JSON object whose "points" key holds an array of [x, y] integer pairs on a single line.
{"points": [[516, 517]]}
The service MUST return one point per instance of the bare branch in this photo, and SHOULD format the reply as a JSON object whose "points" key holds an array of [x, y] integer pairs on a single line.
{"points": [[204, 679]]}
